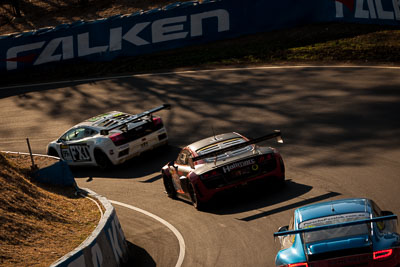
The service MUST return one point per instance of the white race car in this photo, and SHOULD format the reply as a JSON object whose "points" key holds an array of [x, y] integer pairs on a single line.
{"points": [[110, 139]]}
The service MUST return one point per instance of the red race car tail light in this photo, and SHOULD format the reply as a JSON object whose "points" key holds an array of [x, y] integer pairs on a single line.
{"points": [[210, 174], [117, 138], [157, 121], [301, 264], [382, 254]]}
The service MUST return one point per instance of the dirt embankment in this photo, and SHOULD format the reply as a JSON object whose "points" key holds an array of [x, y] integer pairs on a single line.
{"points": [[39, 224], [36, 14]]}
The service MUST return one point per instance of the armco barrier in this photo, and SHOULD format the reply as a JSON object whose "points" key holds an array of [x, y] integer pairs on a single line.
{"points": [[106, 246], [179, 25]]}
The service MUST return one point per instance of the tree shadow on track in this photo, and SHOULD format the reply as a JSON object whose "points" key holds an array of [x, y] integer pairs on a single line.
{"points": [[324, 108], [148, 163], [260, 196]]}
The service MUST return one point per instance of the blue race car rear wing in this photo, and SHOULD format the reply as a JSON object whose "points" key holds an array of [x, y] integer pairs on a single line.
{"points": [[134, 118], [337, 225], [276, 134]]}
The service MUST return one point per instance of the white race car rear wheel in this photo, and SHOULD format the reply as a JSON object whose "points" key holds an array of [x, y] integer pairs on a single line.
{"points": [[102, 160]]}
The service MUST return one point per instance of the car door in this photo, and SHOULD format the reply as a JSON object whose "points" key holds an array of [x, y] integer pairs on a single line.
{"points": [[75, 145]]}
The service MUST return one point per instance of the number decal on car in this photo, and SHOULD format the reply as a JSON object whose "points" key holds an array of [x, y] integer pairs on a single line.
{"points": [[144, 144], [77, 153], [65, 153]]}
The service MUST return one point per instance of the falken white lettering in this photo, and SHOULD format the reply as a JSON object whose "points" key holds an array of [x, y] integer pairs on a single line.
{"points": [[162, 30], [371, 9]]}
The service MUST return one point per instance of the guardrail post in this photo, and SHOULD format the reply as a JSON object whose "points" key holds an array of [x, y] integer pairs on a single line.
{"points": [[33, 167]]}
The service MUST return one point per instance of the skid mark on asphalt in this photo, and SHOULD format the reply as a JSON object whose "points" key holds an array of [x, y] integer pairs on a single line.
{"points": [[167, 224]]}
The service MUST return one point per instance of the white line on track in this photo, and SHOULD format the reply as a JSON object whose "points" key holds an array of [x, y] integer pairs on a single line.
{"points": [[200, 71], [167, 224]]}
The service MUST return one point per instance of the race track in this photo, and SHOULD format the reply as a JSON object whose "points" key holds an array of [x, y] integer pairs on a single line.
{"points": [[341, 127]]}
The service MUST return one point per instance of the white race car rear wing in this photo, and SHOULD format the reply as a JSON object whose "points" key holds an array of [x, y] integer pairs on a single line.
{"points": [[276, 134], [133, 118]]}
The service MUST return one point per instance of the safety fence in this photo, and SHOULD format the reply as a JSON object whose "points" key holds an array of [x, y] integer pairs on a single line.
{"points": [[179, 25]]}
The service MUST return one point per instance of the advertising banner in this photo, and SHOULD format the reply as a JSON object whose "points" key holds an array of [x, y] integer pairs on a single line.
{"points": [[179, 25]]}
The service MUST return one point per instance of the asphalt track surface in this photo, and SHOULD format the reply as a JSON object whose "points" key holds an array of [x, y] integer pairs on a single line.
{"points": [[340, 125]]}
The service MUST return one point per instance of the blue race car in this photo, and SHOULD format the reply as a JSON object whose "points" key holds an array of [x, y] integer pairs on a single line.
{"points": [[346, 232]]}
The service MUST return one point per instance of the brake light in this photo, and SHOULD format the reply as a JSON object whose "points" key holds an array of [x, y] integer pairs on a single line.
{"points": [[382, 254], [263, 158], [302, 264], [157, 121], [117, 138], [210, 174]]}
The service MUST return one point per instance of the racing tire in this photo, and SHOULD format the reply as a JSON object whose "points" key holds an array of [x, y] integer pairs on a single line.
{"points": [[193, 196], [102, 161], [169, 187], [53, 152]]}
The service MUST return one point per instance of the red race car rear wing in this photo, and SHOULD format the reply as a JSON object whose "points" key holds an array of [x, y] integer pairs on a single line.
{"points": [[337, 225], [276, 134], [134, 117]]}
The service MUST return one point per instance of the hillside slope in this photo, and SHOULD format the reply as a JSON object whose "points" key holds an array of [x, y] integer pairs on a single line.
{"points": [[38, 14], [39, 224]]}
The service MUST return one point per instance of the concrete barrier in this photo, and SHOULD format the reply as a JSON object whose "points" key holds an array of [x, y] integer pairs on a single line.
{"points": [[106, 246]]}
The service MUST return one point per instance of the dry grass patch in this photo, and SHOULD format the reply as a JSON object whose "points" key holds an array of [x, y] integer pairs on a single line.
{"points": [[39, 224], [38, 14]]}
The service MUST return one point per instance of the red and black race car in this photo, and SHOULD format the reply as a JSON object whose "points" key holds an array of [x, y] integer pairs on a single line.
{"points": [[220, 162]]}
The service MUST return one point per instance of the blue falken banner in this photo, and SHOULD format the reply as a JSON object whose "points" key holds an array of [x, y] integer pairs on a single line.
{"points": [[179, 25]]}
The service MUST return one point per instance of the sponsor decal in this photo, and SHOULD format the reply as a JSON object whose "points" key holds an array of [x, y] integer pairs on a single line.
{"points": [[98, 117], [118, 114], [123, 147], [350, 261], [76, 152], [370, 9], [236, 165], [80, 45], [333, 219], [254, 167]]}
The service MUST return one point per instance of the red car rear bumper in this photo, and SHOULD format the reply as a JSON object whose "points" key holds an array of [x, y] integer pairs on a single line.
{"points": [[204, 194]]}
